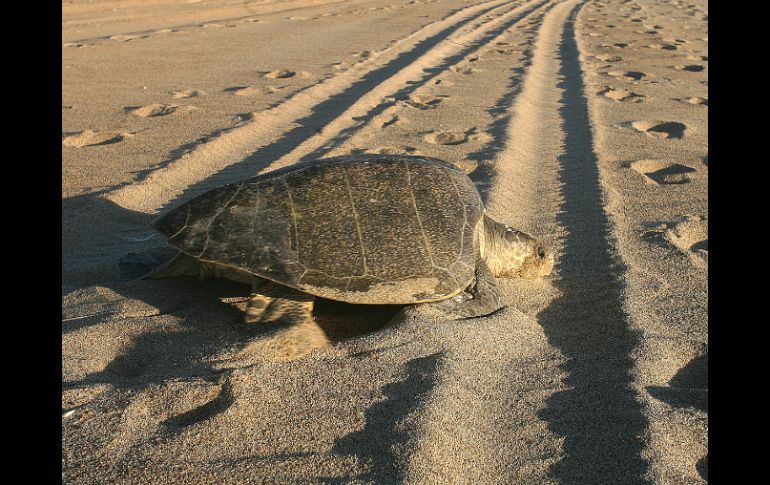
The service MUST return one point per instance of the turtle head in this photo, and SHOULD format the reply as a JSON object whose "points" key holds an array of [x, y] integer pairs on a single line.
{"points": [[511, 253]]}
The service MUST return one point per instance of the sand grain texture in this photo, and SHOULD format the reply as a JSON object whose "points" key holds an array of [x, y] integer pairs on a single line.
{"points": [[582, 122]]}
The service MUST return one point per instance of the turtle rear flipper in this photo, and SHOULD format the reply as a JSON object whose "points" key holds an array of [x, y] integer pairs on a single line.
{"points": [[180, 265], [186, 265], [138, 266], [480, 299]]}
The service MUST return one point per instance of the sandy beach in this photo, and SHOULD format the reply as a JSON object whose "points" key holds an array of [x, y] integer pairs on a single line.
{"points": [[584, 122]]}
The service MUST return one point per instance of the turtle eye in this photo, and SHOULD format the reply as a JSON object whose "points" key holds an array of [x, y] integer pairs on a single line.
{"points": [[541, 252], [511, 236]]}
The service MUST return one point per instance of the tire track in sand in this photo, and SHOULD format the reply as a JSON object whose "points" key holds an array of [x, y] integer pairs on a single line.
{"points": [[428, 67], [599, 415], [244, 151], [486, 413]]}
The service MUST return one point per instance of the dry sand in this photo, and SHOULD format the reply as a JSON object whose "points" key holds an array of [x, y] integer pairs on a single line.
{"points": [[584, 122]]}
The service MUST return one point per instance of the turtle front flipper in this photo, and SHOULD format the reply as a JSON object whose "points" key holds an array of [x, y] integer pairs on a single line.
{"points": [[263, 294], [479, 299]]}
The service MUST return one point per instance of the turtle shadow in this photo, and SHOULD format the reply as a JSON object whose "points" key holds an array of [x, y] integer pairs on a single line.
{"points": [[205, 327], [385, 432], [94, 231], [344, 321]]}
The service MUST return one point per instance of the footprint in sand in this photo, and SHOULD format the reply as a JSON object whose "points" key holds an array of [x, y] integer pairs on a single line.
{"points": [[696, 100], [463, 69], [392, 150], [240, 118], [690, 68], [690, 235], [249, 91], [446, 138], [674, 40], [660, 129], [423, 101], [633, 75], [665, 47], [273, 89], [482, 137], [609, 58], [466, 165], [661, 172], [341, 65], [90, 138], [233, 89], [126, 38], [620, 95], [187, 93], [384, 120], [155, 109], [279, 74]]}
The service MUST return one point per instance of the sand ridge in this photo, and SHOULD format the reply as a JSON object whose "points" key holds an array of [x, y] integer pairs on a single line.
{"points": [[575, 121]]}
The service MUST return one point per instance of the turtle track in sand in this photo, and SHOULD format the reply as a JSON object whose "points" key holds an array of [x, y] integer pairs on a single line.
{"points": [[279, 136], [224, 15], [661, 230]]}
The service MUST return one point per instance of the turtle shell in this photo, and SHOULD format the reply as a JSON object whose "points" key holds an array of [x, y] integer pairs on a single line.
{"points": [[379, 229]]}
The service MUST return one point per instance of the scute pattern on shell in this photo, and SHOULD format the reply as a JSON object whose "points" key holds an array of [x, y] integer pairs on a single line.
{"points": [[362, 229]]}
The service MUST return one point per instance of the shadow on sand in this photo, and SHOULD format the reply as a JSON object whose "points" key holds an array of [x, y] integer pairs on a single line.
{"points": [[380, 443], [598, 416], [98, 234]]}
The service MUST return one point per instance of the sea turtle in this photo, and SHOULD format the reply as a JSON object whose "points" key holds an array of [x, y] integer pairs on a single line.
{"points": [[367, 229]]}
